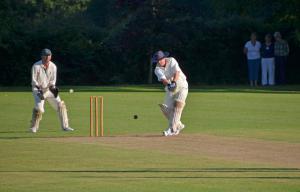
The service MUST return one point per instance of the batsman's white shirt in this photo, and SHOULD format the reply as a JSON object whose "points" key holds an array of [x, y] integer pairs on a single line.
{"points": [[169, 71], [43, 77]]}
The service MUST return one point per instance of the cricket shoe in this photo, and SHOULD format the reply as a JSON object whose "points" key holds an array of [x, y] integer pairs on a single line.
{"points": [[68, 129], [180, 127], [168, 132], [33, 130]]}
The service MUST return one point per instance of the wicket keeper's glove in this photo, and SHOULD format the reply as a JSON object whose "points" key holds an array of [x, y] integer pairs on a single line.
{"points": [[54, 90], [40, 93], [172, 86]]}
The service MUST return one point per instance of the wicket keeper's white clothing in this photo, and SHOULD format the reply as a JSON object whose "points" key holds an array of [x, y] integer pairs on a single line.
{"points": [[44, 78], [168, 73]]}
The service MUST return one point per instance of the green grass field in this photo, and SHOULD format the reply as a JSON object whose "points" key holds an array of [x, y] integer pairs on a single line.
{"points": [[236, 139]]}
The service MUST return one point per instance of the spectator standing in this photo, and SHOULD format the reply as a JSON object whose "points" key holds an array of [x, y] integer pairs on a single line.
{"points": [[281, 50], [267, 62], [252, 50]]}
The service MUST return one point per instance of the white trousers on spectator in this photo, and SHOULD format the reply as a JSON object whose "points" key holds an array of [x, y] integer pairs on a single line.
{"points": [[267, 71]]}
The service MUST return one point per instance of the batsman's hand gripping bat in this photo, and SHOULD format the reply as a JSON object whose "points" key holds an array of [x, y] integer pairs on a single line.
{"points": [[172, 86]]}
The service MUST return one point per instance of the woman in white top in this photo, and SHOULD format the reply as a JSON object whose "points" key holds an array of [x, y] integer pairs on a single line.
{"points": [[252, 50]]}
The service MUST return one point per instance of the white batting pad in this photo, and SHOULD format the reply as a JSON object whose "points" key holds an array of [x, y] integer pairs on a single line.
{"points": [[36, 118], [176, 118], [63, 116]]}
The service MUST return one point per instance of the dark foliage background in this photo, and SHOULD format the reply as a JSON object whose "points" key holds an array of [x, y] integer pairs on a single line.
{"points": [[96, 42]]}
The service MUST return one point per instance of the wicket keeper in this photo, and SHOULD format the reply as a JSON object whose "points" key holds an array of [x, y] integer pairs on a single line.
{"points": [[43, 78], [170, 75]]}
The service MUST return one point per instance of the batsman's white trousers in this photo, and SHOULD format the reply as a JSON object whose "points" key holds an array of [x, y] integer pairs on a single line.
{"points": [[267, 71], [172, 97], [48, 95]]}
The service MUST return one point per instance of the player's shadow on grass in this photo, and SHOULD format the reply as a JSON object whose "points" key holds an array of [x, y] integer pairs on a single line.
{"points": [[190, 177], [27, 134], [173, 170], [247, 89], [37, 136], [290, 89], [13, 132], [131, 174], [23, 131]]}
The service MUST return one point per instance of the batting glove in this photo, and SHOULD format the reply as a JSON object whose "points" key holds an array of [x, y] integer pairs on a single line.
{"points": [[172, 86]]}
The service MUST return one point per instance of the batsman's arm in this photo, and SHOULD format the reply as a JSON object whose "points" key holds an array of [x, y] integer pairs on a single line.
{"points": [[165, 82], [34, 77], [175, 69], [161, 76], [176, 76]]}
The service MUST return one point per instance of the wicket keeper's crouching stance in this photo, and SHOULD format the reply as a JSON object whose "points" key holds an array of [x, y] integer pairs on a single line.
{"points": [[43, 88], [169, 73]]}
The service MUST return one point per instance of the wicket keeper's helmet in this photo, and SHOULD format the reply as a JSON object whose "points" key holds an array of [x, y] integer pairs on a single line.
{"points": [[46, 52]]}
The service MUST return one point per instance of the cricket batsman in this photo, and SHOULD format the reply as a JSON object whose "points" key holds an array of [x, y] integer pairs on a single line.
{"points": [[43, 88], [170, 75]]}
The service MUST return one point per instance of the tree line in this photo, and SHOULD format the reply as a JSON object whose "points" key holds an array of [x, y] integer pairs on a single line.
{"points": [[99, 42]]}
